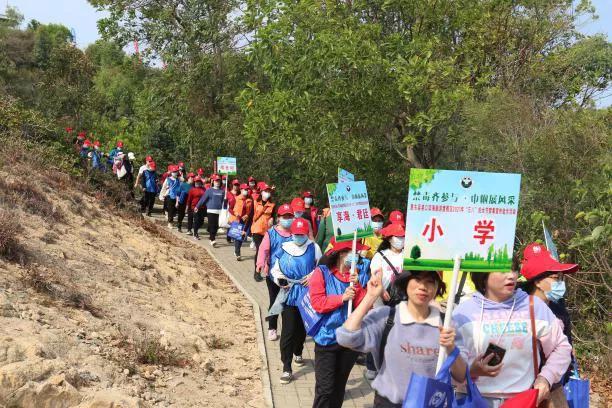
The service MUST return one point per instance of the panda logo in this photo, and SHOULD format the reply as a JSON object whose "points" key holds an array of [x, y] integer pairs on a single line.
{"points": [[537, 249], [299, 224], [437, 399], [466, 182]]}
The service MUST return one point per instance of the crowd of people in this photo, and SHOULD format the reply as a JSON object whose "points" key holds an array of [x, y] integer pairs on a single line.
{"points": [[396, 322]]}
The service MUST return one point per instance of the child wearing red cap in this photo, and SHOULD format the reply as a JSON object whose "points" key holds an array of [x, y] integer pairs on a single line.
{"points": [[263, 210], [291, 272]]}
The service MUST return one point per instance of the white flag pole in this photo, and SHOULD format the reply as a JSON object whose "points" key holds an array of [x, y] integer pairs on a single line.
{"points": [[450, 305], [353, 265]]}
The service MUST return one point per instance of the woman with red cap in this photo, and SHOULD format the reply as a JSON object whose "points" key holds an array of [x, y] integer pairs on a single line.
{"points": [[172, 188], [311, 213], [149, 186], [263, 210], [213, 200], [193, 197], [291, 272], [242, 211], [521, 325], [270, 250], [545, 278], [231, 202], [181, 199], [331, 287], [299, 211]]}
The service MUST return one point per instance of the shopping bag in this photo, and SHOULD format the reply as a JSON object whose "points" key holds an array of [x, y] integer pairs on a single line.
{"points": [[472, 398], [526, 399], [425, 392], [235, 231], [577, 392], [312, 319], [224, 218]]}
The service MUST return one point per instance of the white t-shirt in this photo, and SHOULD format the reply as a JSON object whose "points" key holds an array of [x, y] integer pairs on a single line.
{"points": [[396, 259], [142, 169]]}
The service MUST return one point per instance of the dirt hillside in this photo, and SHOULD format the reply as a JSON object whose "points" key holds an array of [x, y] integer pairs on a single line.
{"points": [[99, 309]]}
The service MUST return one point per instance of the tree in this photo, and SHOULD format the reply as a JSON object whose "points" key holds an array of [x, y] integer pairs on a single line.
{"points": [[415, 252]]}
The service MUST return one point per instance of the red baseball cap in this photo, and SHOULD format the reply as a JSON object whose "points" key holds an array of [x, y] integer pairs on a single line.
{"points": [[181, 164], [307, 194], [396, 216], [340, 246], [235, 182], [152, 165], [120, 144], [244, 186], [297, 204], [393, 230], [251, 178], [262, 186], [69, 129], [300, 227], [537, 261], [174, 168], [191, 175], [200, 171], [375, 212], [81, 135], [87, 143], [285, 209], [215, 177], [197, 178], [97, 143], [149, 159]]}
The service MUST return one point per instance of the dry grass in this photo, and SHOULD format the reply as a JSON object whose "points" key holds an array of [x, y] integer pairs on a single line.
{"points": [[29, 197], [148, 349], [10, 247], [47, 283]]}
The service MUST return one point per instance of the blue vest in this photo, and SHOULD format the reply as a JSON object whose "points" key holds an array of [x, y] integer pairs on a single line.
{"points": [[326, 336], [276, 244], [174, 188], [96, 161], [150, 181], [296, 267]]}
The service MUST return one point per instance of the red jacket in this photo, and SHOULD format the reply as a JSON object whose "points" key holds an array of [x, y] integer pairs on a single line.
{"points": [[313, 213], [194, 195], [231, 202], [323, 303]]}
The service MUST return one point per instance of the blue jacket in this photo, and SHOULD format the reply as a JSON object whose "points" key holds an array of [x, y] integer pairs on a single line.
{"points": [[276, 242], [185, 187], [149, 181], [326, 336], [112, 154], [212, 199], [296, 267], [174, 188], [96, 159]]}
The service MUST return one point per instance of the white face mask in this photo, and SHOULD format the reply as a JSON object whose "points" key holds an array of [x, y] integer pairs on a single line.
{"points": [[217, 184], [244, 193], [265, 196], [397, 242], [308, 200]]}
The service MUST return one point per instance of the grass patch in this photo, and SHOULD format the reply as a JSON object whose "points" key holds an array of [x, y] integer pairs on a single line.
{"points": [[30, 198], [10, 247], [149, 350]]}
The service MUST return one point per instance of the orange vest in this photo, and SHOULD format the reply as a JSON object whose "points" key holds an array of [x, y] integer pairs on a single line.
{"points": [[261, 216], [243, 207]]}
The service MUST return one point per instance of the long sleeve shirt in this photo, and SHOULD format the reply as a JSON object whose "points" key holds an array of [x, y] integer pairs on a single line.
{"points": [[321, 301]]}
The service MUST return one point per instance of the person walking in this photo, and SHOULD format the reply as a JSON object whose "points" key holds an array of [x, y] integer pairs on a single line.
{"points": [[242, 212], [181, 200], [331, 287], [149, 182], [270, 250], [213, 200], [311, 213], [291, 272], [172, 186], [402, 339], [263, 210], [194, 220]]}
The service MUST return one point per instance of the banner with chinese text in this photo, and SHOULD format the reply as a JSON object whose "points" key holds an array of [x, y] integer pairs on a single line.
{"points": [[227, 165], [350, 210], [344, 176], [465, 213]]}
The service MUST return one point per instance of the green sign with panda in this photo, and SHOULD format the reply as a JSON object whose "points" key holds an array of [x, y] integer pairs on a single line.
{"points": [[466, 213]]}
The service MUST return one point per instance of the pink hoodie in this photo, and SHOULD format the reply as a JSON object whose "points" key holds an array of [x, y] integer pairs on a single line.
{"points": [[480, 321]]}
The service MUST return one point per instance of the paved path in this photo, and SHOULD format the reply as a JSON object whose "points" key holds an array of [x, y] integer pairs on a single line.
{"points": [[300, 392]]}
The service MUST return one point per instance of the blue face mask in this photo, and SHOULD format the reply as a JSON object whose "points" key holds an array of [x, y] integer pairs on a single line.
{"points": [[286, 222], [557, 291], [376, 225], [298, 214], [300, 239], [349, 259]]}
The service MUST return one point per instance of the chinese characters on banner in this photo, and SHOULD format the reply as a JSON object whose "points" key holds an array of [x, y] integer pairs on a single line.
{"points": [[344, 176], [350, 210], [227, 165], [465, 213]]}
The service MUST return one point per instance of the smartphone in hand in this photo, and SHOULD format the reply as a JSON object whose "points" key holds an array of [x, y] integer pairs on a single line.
{"points": [[498, 354]]}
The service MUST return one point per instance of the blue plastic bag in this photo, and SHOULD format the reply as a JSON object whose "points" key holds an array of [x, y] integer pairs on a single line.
{"points": [[235, 231], [312, 319], [577, 390], [425, 392], [472, 398]]}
